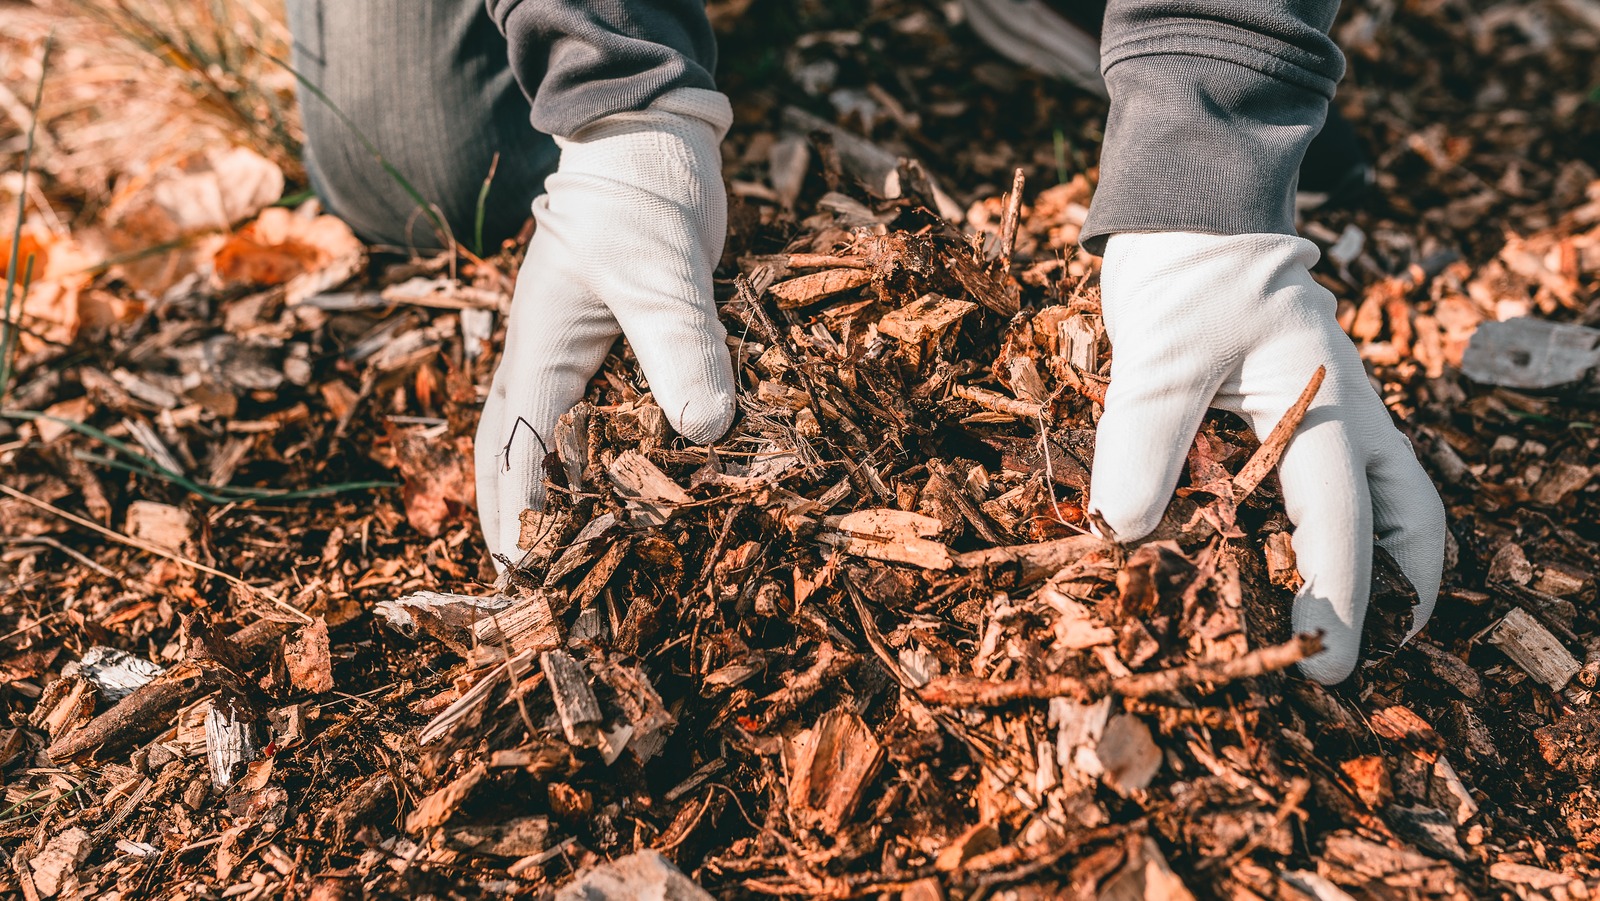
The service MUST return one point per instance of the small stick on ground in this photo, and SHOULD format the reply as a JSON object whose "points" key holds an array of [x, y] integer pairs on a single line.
{"points": [[999, 403], [1271, 450], [826, 261], [965, 691], [149, 708]]}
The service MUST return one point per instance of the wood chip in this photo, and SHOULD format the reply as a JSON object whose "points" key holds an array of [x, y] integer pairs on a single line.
{"points": [[162, 525], [575, 700], [307, 659], [438, 807], [818, 286], [962, 691], [526, 625], [53, 867], [652, 497], [1145, 877], [833, 762], [925, 319], [641, 706], [516, 837], [894, 535], [1527, 642]]}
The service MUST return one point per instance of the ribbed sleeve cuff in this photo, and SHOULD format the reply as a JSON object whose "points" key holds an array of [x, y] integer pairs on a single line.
{"points": [[1196, 143]]}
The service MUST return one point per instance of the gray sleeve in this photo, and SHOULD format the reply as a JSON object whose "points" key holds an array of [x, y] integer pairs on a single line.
{"points": [[581, 60], [1213, 103]]}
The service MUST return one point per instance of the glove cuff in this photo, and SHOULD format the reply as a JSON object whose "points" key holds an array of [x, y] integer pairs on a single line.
{"points": [[710, 107], [683, 111]]}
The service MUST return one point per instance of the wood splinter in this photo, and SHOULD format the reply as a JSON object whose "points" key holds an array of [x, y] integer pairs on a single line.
{"points": [[1008, 222]]}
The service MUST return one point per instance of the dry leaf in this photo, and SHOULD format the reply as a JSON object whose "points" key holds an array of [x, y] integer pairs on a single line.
{"points": [[281, 245], [438, 476]]}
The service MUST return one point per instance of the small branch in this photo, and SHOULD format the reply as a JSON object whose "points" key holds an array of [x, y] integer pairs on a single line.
{"points": [[966, 691], [149, 708], [1271, 450], [826, 261], [999, 403]]}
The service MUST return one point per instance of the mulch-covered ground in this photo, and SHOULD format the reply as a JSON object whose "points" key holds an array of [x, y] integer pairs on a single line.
{"points": [[252, 647]]}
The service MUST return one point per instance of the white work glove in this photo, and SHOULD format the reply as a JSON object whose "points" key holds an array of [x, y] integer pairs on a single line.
{"points": [[1237, 323], [629, 231]]}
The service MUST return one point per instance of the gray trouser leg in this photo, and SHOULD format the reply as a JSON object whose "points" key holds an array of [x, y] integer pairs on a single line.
{"points": [[581, 60], [429, 84]]}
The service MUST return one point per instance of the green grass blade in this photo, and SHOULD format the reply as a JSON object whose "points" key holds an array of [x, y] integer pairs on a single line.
{"points": [[483, 204], [429, 210], [10, 336], [140, 464]]}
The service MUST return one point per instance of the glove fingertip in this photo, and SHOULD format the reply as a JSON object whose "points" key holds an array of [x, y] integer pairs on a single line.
{"points": [[1128, 522], [1127, 498], [1341, 638], [705, 419], [1329, 667]]}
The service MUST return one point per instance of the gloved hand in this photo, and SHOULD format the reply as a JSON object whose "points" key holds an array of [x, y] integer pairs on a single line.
{"points": [[1237, 323], [628, 233]]}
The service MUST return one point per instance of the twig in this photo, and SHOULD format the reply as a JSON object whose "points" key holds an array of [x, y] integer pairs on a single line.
{"points": [[1049, 468], [826, 261], [148, 708], [1271, 450], [1298, 789], [966, 691], [999, 403], [47, 541]]}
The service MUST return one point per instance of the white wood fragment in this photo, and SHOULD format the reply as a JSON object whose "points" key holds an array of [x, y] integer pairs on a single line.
{"points": [[445, 294], [1128, 754], [641, 875], [229, 742], [1531, 353], [1527, 642], [1317, 886], [1078, 729], [114, 672], [1446, 789], [1080, 342]]}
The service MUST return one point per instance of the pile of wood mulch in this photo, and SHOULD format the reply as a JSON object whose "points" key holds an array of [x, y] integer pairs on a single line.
{"points": [[866, 645]]}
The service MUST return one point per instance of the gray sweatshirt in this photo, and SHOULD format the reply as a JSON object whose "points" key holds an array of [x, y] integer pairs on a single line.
{"points": [[1213, 102]]}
